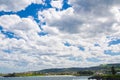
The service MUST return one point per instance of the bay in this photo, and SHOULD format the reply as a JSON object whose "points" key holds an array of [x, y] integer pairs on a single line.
{"points": [[46, 78]]}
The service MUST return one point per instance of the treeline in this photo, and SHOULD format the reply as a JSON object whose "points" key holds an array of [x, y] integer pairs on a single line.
{"points": [[85, 73], [80, 73], [21, 74]]}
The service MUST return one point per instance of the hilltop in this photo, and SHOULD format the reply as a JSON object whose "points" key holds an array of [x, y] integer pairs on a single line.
{"points": [[76, 69]]}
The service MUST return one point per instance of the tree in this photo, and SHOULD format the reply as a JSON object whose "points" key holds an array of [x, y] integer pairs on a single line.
{"points": [[85, 72], [113, 70]]}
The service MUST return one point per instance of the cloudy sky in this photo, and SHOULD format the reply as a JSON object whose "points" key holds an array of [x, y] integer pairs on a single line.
{"points": [[40, 34]]}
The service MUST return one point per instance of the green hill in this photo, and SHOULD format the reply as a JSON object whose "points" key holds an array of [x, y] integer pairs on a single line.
{"points": [[96, 68]]}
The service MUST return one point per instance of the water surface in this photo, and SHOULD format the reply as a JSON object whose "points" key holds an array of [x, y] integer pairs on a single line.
{"points": [[47, 78]]}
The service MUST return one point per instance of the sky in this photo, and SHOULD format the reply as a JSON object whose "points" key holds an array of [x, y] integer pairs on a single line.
{"points": [[42, 34]]}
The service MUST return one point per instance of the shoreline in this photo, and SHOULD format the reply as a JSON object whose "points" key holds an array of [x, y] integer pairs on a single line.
{"points": [[48, 76]]}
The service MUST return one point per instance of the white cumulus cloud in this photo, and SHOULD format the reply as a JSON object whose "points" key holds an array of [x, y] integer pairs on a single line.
{"points": [[15, 5]]}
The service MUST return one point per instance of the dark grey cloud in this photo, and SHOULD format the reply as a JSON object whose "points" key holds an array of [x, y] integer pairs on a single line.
{"points": [[68, 23]]}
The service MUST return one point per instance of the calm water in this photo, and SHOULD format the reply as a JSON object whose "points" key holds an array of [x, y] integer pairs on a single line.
{"points": [[48, 78]]}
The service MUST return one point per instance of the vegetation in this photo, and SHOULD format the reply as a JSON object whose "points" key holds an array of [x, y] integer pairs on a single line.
{"points": [[22, 74], [108, 75], [113, 70], [1, 74], [84, 73], [10, 75], [102, 71]]}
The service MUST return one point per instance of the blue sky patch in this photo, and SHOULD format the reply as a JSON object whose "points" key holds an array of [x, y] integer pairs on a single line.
{"points": [[31, 10], [110, 52], [1, 28], [6, 13], [93, 59], [7, 51], [114, 42], [97, 45], [75, 58], [65, 5], [81, 48], [8, 34], [42, 33], [67, 44]]}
